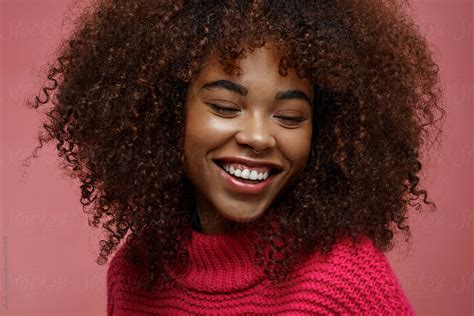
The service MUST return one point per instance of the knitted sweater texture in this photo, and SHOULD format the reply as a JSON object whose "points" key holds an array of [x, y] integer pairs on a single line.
{"points": [[222, 280]]}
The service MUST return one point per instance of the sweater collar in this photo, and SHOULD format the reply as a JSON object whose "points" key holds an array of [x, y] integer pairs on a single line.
{"points": [[221, 262]]}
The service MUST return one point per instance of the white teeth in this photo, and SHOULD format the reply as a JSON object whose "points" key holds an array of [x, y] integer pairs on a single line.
{"points": [[253, 175], [246, 173]]}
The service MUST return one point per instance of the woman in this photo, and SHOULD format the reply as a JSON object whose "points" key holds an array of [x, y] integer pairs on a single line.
{"points": [[260, 155]]}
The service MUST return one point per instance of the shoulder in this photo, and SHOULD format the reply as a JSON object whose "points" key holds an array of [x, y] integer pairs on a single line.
{"points": [[359, 275], [116, 267], [118, 270]]}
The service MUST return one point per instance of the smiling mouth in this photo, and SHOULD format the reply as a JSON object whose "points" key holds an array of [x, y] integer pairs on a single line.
{"points": [[271, 174]]}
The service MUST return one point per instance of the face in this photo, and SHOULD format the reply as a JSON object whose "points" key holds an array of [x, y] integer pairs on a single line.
{"points": [[246, 137]]}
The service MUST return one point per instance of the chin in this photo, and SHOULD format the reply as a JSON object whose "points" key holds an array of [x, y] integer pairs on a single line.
{"points": [[244, 216]]}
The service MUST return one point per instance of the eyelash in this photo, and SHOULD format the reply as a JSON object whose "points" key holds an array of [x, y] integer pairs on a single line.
{"points": [[226, 110]]}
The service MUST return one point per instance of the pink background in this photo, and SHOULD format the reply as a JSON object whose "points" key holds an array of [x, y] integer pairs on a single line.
{"points": [[49, 250]]}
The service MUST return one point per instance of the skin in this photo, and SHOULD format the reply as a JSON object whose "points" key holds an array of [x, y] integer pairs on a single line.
{"points": [[256, 124]]}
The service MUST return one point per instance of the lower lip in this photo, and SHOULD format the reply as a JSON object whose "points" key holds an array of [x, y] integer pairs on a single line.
{"points": [[243, 187]]}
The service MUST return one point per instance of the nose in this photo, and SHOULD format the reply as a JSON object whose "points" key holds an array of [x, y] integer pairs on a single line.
{"points": [[255, 133]]}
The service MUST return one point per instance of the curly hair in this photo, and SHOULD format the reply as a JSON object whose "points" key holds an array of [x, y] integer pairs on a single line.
{"points": [[119, 84]]}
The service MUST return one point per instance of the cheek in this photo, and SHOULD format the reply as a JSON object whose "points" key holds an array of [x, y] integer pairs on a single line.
{"points": [[203, 134], [296, 147], [204, 130], [195, 144]]}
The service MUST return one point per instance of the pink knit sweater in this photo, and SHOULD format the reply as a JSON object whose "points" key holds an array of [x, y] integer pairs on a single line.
{"points": [[223, 281]]}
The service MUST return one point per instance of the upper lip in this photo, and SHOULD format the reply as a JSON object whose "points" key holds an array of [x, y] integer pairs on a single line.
{"points": [[250, 163]]}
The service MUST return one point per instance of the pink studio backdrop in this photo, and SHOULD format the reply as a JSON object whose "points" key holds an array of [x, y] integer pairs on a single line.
{"points": [[49, 251]]}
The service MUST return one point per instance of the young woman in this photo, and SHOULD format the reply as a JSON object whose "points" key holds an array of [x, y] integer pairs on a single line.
{"points": [[254, 156]]}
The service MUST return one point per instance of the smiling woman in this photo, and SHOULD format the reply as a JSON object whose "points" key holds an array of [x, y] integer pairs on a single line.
{"points": [[256, 111], [260, 154]]}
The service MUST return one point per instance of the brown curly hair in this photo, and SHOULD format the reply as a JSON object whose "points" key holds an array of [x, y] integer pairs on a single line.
{"points": [[120, 81]]}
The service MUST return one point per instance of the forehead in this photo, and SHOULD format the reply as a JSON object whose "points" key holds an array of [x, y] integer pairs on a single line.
{"points": [[258, 59], [258, 68]]}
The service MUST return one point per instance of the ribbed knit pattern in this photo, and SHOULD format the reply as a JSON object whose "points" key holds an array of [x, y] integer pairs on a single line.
{"points": [[222, 280]]}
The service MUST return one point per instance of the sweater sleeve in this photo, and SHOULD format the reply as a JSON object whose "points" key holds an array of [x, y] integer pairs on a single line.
{"points": [[114, 273], [396, 301], [375, 279], [355, 279], [110, 290]]}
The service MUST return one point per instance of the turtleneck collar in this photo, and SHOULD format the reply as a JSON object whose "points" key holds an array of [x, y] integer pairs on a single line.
{"points": [[221, 262]]}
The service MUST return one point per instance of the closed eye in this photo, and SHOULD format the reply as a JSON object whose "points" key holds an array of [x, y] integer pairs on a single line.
{"points": [[223, 109], [227, 110], [292, 118]]}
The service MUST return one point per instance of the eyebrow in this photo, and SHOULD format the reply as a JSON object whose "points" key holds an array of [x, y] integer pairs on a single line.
{"points": [[241, 90]]}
